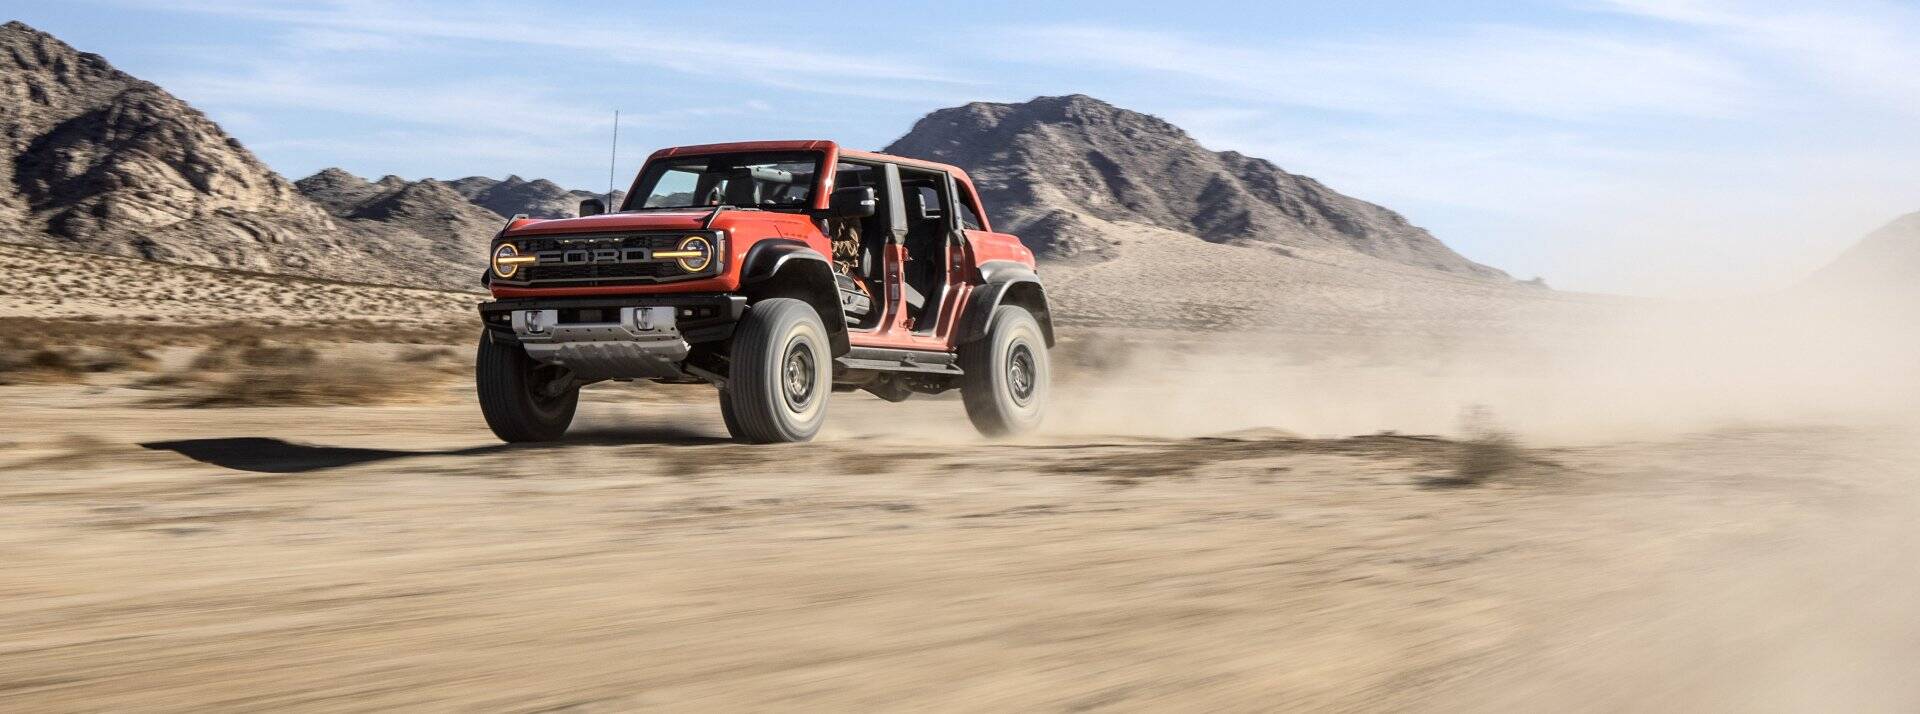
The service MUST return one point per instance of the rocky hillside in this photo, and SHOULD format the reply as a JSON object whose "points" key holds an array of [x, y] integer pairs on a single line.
{"points": [[452, 228], [101, 161], [1066, 173], [538, 198], [97, 155]]}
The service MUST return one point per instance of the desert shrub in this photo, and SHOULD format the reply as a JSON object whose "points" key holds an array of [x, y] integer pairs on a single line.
{"points": [[419, 355], [50, 361], [320, 383], [165, 379], [271, 355], [330, 384], [40, 356], [1487, 450], [66, 364], [111, 359], [224, 355], [251, 351], [248, 370], [26, 365]]}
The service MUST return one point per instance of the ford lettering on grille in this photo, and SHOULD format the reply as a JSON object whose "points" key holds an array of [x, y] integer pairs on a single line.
{"points": [[595, 256]]}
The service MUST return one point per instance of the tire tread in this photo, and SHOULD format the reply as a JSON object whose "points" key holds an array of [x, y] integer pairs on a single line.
{"points": [[500, 379], [980, 388], [754, 342]]}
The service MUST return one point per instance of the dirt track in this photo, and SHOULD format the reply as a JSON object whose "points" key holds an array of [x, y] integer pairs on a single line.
{"points": [[368, 558]]}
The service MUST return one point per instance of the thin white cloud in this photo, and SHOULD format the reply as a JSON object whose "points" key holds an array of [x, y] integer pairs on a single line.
{"points": [[428, 154], [1396, 165], [627, 38], [1860, 49], [1482, 69], [469, 103], [1674, 146], [326, 40]]}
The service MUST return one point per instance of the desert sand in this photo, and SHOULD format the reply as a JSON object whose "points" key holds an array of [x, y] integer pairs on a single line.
{"points": [[360, 558], [1281, 517]]}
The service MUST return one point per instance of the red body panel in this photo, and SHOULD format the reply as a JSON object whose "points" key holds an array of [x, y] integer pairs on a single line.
{"points": [[988, 246], [745, 228], [895, 331]]}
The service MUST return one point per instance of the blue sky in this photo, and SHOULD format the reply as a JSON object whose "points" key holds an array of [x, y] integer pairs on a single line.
{"points": [[1683, 147]]}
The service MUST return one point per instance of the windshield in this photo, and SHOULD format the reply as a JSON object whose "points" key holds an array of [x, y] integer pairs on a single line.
{"points": [[770, 181]]}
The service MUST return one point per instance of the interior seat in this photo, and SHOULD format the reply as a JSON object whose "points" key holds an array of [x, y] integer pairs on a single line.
{"points": [[743, 191], [926, 236]]}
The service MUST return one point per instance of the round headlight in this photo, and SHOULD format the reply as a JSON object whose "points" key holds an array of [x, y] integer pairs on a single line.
{"points": [[504, 263], [702, 250]]}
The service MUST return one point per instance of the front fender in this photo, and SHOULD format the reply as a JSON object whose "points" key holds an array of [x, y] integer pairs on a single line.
{"points": [[789, 268]]}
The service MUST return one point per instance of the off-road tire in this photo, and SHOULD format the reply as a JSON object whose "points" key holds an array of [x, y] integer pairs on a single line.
{"points": [[512, 395], [781, 373], [726, 415], [1007, 377]]}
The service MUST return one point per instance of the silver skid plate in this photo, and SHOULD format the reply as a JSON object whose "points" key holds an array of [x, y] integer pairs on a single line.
{"points": [[643, 344]]}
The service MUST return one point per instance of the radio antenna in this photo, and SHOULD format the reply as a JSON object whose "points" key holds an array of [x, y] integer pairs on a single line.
{"points": [[613, 164]]}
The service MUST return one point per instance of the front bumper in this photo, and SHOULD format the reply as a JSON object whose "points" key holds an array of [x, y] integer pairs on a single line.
{"points": [[639, 337], [700, 317]]}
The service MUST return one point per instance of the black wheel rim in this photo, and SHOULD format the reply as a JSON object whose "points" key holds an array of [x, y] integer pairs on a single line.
{"points": [[1022, 379], [799, 376]]}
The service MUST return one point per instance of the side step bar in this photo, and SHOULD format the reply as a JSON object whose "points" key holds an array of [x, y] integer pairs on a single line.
{"points": [[891, 360]]}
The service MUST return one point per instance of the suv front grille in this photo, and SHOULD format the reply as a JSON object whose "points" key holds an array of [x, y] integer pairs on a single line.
{"points": [[602, 259], [654, 271]]}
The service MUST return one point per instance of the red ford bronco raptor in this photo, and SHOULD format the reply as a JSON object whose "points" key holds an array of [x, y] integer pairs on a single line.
{"points": [[778, 271]]}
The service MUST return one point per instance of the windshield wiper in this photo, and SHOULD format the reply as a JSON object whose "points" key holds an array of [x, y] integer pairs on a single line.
{"points": [[690, 208], [657, 208]]}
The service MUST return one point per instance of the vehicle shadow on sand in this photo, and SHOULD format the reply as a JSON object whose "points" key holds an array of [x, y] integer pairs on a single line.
{"points": [[278, 456]]}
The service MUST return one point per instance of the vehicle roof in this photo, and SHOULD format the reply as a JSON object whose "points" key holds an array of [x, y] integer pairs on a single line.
{"points": [[810, 145]]}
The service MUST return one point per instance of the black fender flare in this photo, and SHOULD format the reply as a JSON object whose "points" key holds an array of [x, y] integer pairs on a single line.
{"points": [[790, 268], [768, 257], [1006, 283]]}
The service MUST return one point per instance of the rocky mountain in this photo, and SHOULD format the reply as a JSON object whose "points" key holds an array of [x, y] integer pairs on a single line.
{"points": [[538, 198], [450, 226], [341, 193], [99, 157], [104, 162], [1063, 171], [345, 194]]}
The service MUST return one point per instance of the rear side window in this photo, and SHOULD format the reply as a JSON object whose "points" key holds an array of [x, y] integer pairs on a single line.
{"points": [[847, 175]]}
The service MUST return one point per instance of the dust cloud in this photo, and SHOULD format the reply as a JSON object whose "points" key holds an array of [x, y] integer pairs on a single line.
{"points": [[1635, 370]]}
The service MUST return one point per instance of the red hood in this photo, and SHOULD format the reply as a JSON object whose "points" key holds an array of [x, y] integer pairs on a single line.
{"points": [[651, 221]]}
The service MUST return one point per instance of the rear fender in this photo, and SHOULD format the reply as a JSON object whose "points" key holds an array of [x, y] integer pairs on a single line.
{"points": [[1007, 283]]}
